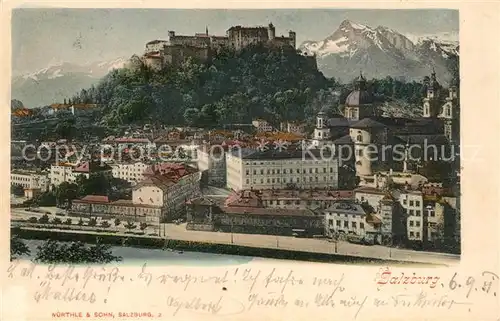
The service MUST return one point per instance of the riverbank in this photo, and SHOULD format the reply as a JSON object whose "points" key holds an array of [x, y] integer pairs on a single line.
{"points": [[155, 243]]}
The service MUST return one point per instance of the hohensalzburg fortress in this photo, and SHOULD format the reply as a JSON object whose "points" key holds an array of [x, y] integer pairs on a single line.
{"points": [[178, 48]]}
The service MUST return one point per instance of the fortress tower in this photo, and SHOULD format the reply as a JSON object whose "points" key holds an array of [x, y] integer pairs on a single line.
{"points": [[271, 32]]}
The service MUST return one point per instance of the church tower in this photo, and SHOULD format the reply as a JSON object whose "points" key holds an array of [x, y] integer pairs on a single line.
{"points": [[431, 101], [450, 114], [322, 131]]}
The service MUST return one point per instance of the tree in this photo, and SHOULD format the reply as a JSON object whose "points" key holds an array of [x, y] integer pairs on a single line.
{"points": [[17, 247], [92, 222], [66, 192], [68, 221], [17, 189], [143, 226], [56, 221], [117, 221], [130, 226], [44, 219], [75, 252]]}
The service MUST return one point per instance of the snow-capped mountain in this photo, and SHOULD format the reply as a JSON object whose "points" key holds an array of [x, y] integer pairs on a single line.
{"points": [[381, 52], [60, 80]]}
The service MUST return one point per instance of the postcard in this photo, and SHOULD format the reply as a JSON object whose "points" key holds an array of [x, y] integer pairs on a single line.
{"points": [[243, 161]]}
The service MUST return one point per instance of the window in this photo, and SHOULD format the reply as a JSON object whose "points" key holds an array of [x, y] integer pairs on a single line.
{"points": [[297, 202], [272, 171], [277, 171], [271, 202], [411, 223], [261, 172], [338, 223], [324, 169], [346, 224], [298, 171], [411, 212], [310, 170], [362, 225], [353, 224], [268, 172], [247, 172], [273, 180], [262, 181], [418, 235], [359, 138], [404, 201], [412, 234], [417, 203], [330, 222], [417, 223], [411, 203], [268, 181], [417, 212], [254, 172], [331, 169], [432, 213]]}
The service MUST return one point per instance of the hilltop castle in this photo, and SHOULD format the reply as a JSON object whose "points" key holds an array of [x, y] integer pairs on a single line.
{"points": [[178, 48]]}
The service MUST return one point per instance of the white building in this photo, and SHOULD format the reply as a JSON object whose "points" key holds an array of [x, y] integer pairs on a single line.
{"points": [[64, 172], [32, 182], [347, 217], [413, 204], [131, 172], [251, 169], [262, 125]]}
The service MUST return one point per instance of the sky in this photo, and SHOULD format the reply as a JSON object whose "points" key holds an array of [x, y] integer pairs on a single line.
{"points": [[41, 37]]}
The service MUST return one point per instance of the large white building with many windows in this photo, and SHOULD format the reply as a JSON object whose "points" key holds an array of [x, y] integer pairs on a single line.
{"points": [[308, 169]]}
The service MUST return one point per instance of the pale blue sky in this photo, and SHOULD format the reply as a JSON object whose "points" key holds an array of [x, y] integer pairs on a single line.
{"points": [[40, 36]]}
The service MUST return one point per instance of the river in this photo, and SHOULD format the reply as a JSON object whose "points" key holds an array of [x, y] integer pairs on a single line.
{"points": [[139, 256]]}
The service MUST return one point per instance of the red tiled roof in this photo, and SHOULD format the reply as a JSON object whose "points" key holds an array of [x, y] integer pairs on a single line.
{"points": [[93, 199], [266, 211]]}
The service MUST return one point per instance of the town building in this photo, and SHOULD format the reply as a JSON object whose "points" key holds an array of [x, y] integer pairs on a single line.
{"points": [[345, 218], [251, 217], [267, 169], [33, 182], [66, 172], [212, 163], [314, 199], [262, 125], [161, 196], [297, 128], [130, 171]]}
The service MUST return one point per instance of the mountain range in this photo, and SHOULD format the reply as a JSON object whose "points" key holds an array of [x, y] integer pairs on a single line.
{"points": [[352, 48], [59, 81], [381, 51]]}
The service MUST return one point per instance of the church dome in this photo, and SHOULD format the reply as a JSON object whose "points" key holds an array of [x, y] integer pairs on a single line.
{"points": [[359, 96]]}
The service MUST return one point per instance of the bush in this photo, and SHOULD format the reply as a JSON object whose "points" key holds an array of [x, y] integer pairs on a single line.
{"points": [[130, 225], [105, 224], [68, 221], [92, 222], [33, 219], [76, 252], [143, 226], [56, 221], [80, 222], [117, 222], [44, 219]]}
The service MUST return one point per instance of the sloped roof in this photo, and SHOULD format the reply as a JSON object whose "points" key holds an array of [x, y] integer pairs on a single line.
{"points": [[367, 123]]}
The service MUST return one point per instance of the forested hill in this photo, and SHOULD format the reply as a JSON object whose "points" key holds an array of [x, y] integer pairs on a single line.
{"points": [[275, 83]]}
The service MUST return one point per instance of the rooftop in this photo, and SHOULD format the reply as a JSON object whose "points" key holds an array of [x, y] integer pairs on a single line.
{"points": [[268, 211]]}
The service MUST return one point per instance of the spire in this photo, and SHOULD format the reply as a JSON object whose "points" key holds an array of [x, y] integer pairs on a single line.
{"points": [[206, 30], [360, 82]]}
